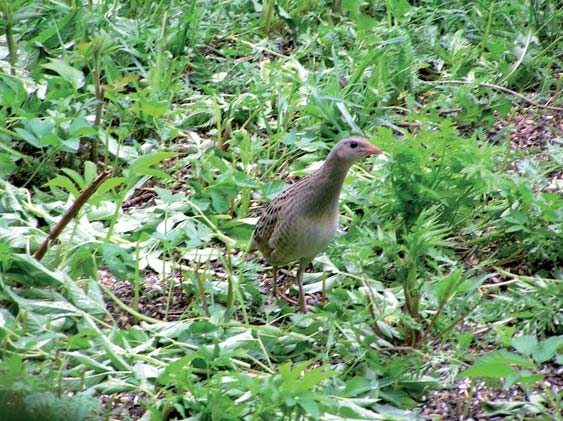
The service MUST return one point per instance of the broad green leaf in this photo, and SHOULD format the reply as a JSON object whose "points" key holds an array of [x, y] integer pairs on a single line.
{"points": [[356, 386], [69, 73], [314, 377], [119, 261], [242, 340], [487, 370], [365, 22], [144, 165], [548, 348], [154, 108], [354, 409], [88, 362], [113, 352], [115, 385], [522, 377], [504, 357], [143, 371], [273, 188], [26, 270], [525, 344], [311, 407], [64, 183], [81, 127], [75, 176], [243, 180], [202, 255]]}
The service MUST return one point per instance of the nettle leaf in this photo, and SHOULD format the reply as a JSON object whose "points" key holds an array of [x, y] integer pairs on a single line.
{"points": [[115, 385], [522, 377], [125, 152], [89, 362], [75, 176], [83, 301], [144, 371], [7, 164], [29, 137], [366, 22]]}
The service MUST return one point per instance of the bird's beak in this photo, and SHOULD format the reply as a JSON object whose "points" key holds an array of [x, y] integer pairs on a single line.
{"points": [[372, 150]]}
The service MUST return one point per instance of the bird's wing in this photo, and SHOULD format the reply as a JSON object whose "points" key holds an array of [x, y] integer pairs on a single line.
{"points": [[271, 231], [265, 227]]}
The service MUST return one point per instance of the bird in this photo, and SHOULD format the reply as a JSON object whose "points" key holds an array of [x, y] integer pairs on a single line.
{"points": [[301, 221]]}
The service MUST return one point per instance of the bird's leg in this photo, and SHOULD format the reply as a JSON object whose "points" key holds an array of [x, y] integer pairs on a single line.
{"points": [[302, 266], [276, 291], [275, 281], [323, 291]]}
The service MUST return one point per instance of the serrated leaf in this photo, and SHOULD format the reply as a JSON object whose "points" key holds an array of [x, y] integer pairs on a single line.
{"points": [[356, 386], [153, 108]]}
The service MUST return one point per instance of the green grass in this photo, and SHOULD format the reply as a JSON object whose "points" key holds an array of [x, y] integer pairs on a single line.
{"points": [[209, 108]]}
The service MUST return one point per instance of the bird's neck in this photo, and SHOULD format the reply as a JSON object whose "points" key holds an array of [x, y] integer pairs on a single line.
{"points": [[328, 184]]}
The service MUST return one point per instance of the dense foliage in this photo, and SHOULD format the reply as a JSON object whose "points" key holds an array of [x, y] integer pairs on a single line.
{"points": [[449, 266]]}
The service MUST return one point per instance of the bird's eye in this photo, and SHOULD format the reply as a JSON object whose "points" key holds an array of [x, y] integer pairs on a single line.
{"points": [[354, 145]]}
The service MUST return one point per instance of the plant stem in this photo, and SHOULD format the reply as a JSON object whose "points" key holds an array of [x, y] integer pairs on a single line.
{"points": [[485, 36]]}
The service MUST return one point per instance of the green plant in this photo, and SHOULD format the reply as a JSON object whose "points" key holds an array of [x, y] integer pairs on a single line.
{"points": [[453, 243], [522, 368]]}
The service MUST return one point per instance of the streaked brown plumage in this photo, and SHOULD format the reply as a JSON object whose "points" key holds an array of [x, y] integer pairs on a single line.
{"points": [[301, 222]]}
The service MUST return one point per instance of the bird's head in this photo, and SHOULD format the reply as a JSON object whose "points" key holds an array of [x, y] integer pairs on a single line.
{"points": [[353, 148]]}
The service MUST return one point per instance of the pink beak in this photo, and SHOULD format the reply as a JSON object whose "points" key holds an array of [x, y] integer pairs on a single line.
{"points": [[372, 150]]}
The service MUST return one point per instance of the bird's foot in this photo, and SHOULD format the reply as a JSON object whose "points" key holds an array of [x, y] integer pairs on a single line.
{"points": [[280, 295]]}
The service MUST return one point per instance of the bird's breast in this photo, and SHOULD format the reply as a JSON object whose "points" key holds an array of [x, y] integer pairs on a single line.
{"points": [[316, 234]]}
